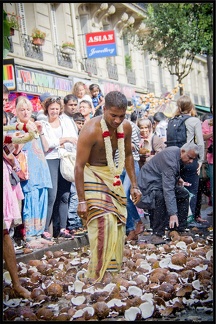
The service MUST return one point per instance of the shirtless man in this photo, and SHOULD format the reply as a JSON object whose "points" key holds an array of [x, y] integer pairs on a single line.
{"points": [[102, 200]]}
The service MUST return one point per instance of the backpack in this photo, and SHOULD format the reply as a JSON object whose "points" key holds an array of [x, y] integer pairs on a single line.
{"points": [[176, 131]]}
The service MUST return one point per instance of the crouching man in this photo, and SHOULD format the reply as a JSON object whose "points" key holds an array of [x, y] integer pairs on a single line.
{"points": [[163, 190]]}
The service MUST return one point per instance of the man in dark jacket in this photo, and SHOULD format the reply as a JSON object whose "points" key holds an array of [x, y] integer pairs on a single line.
{"points": [[163, 189]]}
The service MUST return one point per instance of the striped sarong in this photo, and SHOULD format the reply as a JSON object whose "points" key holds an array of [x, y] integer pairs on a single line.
{"points": [[106, 221]]}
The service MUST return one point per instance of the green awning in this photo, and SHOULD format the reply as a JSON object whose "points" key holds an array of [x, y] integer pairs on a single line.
{"points": [[202, 109]]}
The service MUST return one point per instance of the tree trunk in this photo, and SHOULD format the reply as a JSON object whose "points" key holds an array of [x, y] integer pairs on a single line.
{"points": [[181, 91]]}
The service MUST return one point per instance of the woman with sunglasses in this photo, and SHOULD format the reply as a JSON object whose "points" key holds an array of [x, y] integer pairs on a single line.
{"points": [[59, 134], [35, 188]]}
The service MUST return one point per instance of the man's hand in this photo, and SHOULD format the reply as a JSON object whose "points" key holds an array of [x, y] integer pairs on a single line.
{"points": [[82, 210], [180, 182], [173, 221], [135, 194], [199, 168]]}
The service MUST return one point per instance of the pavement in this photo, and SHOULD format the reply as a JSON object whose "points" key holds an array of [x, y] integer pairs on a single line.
{"points": [[78, 242]]}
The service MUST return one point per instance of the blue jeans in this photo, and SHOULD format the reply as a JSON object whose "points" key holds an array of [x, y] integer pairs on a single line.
{"points": [[73, 221], [132, 213]]}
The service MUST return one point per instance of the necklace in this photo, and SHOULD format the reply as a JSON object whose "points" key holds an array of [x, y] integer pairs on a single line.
{"points": [[28, 136], [116, 171]]}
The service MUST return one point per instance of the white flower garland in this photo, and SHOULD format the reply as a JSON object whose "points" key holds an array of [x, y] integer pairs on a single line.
{"points": [[116, 171], [26, 137]]}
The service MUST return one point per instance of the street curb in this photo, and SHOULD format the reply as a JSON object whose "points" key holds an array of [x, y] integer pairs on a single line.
{"points": [[68, 246]]}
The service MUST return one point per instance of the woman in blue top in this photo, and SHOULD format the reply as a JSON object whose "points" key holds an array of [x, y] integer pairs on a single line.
{"points": [[35, 189]]}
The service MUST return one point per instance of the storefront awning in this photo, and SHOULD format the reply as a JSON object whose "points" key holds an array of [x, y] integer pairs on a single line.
{"points": [[202, 109]]}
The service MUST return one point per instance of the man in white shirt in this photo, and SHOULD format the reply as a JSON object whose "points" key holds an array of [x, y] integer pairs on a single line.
{"points": [[74, 222]]}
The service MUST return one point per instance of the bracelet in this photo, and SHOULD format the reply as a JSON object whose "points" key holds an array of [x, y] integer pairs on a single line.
{"points": [[82, 202], [41, 134], [135, 187]]}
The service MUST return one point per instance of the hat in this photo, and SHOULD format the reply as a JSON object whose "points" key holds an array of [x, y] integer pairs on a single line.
{"points": [[45, 95], [78, 116]]}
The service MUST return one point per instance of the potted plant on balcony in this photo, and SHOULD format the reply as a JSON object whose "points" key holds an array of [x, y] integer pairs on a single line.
{"points": [[38, 37], [67, 47], [13, 22]]}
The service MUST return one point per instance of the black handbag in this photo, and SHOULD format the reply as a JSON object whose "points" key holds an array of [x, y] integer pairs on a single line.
{"points": [[14, 179]]}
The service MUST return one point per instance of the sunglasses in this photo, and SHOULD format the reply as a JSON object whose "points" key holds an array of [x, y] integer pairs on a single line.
{"points": [[54, 99]]}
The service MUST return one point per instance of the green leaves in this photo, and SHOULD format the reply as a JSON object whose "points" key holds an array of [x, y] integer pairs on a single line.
{"points": [[6, 34], [177, 28]]}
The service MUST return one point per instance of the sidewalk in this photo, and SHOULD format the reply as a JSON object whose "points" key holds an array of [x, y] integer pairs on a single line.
{"points": [[77, 242], [60, 244]]}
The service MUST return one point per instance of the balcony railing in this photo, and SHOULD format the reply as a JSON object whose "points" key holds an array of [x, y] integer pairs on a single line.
{"points": [[64, 59], [131, 77], [203, 102], [91, 66], [11, 49], [112, 71], [31, 50], [196, 98], [150, 86]]}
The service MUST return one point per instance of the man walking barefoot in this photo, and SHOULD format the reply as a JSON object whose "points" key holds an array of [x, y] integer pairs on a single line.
{"points": [[102, 200]]}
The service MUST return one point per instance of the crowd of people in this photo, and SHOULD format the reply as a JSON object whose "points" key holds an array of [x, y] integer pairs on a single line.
{"points": [[124, 170]]}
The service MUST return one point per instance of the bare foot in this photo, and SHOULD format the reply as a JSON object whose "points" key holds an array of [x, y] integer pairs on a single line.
{"points": [[139, 227], [21, 291], [131, 236]]}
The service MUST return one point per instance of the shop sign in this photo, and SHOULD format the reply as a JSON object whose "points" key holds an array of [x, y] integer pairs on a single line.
{"points": [[129, 92], [101, 44], [37, 82], [9, 79]]}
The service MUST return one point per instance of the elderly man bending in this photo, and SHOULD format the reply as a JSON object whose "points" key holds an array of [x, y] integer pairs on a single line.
{"points": [[163, 190]]}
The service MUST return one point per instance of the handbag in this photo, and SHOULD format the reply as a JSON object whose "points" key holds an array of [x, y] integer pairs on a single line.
{"points": [[67, 164], [22, 158], [13, 177], [210, 148]]}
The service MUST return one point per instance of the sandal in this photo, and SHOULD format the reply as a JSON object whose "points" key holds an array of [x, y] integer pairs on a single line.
{"points": [[65, 234], [46, 236], [201, 220], [79, 232]]}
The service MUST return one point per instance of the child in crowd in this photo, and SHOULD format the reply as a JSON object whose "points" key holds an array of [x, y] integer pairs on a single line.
{"points": [[97, 98], [79, 120], [81, 91]]}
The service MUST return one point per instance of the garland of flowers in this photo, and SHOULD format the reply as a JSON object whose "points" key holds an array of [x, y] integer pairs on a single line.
{"points": [[116, 171], [30, 134]]}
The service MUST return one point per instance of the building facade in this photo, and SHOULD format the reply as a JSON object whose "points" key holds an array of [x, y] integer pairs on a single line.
{"points": [[47, 68]]}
